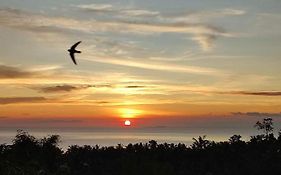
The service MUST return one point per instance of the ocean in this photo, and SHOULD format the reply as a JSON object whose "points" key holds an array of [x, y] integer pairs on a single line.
{"points": [[124, 136]]}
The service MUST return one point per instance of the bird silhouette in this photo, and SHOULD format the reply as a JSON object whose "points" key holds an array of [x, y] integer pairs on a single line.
{"points": [[73, 50]]}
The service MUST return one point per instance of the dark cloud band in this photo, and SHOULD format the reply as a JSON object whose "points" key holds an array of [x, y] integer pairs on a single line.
{"points": [[257, 114], [11, 100], [7, 72]]}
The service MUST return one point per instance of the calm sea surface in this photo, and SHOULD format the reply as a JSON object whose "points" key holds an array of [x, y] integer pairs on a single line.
{"points": [[112, 137]]}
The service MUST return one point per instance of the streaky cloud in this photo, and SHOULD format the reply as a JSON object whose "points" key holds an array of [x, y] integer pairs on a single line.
{"points": [[53, 121], [242, 93], [7, 72], [229, 11], [12, 100], [203, 33], [3, 117], [118, 11], [70, 88], [135, 87], [257, 114], [137, 12], [254, 93], [61, 88], [200, 16], [159, 66], [19, 72], [96, 7]]}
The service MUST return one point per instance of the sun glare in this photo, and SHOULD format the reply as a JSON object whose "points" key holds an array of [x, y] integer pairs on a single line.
{"points": [[129, 113]]}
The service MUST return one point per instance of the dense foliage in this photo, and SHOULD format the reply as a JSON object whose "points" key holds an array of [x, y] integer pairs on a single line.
{"points": [[30, 156]]}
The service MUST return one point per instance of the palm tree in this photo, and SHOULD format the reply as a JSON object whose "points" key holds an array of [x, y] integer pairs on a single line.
{"points": [[200, 143]]}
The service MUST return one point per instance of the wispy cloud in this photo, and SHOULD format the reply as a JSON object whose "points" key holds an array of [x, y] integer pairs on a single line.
{"points": [[205, 41], [22, 122], [22, 20], [123, 11], [135, 87], [203, 33], [96, 7], [257, 114], [20, 72], [187, 20], [44, 68], [137, 12], [158, 66], [14, 72], [213, 90], [201, 16], [12, 100], [72, 87], [253, 93], [53, 121], [40, 23], [235, 12], [239, 93], [62, 88], [190, 21], [216, 91]]}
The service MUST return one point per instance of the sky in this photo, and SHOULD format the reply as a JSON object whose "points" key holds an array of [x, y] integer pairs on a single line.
{"points": [[158, 63]]}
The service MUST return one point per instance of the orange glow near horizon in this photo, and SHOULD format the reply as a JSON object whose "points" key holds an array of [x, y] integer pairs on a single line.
{"points": [[129, 113]]}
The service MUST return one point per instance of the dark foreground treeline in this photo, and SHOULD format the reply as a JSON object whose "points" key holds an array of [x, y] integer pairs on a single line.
{"points": [[30, 156]]}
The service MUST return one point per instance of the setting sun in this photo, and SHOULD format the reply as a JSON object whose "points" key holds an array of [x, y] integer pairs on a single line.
{"points": [[127, 123]]}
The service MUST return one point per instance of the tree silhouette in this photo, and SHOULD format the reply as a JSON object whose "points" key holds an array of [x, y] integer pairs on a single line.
{"points": [[152, 144], [28, 155], [200, 143], [235, 139], [266, 126]]}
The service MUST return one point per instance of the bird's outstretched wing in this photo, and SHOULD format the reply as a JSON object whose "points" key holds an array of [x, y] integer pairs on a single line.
{"points": [[73, 57], [75, 45]]}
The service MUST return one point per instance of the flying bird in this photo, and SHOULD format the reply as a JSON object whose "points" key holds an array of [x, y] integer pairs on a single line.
{"points": [[73, 50]]}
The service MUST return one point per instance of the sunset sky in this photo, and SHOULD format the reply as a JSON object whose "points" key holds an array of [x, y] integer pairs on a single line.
{"points": [[157, 62]]}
